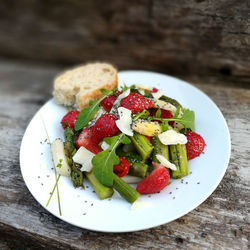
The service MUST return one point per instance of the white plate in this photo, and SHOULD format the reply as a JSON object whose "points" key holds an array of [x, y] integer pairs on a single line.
{"points": [[83, 208]]}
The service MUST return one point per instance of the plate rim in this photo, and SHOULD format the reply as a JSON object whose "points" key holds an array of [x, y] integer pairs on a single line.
{"points": [[195, 205]]}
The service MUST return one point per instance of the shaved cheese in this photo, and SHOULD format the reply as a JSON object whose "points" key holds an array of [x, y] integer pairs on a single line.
{"points": [[140, 204], [141, 91], [84, 158], [165, 162], [140, 86], [171, 137], [104, 145], [157, 95], [164, 105], [125, 121]]}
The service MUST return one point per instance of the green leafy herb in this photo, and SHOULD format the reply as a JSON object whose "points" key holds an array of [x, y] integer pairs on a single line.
{"points": [[158, 113], [143, 115], [187, 119], [105, 91], [86, 114], [103, 162], [59, 165]]}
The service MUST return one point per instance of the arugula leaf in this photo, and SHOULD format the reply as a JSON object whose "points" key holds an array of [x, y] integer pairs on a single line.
{"points": [[103, 162], [187, 119], [86, 114], [158, 113]]}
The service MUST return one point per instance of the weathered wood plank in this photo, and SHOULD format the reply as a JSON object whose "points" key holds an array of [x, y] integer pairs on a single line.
{"points": [[222, 221], [208, 37]]}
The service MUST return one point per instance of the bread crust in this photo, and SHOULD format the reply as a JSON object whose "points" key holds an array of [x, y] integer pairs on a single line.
{"points": [[95, 94], [70, 94]]}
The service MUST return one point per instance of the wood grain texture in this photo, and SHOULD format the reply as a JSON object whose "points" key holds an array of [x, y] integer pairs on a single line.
{"points": [[208, 37], [221, 222]]}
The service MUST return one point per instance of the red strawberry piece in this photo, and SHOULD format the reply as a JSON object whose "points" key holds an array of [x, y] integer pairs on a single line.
{"points": [[105, 126], [148, 138], [122, 168], [117, 92], [164, 114], [195, 144], [68, 121], [155, 182], [154, 90], [136, 103], [108, 102], [87, 139]]}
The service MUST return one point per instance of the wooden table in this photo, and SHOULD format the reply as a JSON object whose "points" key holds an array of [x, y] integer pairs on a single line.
{"points": [[222, 221]]}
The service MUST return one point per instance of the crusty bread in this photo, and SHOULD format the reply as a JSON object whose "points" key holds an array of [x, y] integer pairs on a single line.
{"points": [[82, 84]]}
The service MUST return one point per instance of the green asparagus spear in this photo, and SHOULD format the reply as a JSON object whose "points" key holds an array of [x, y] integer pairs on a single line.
{"points": [[142, 145], [76, 176], [170, 100], [138, 169], [179, 158], [69, 147], [102, 191], [159, 148], [125, 190]]}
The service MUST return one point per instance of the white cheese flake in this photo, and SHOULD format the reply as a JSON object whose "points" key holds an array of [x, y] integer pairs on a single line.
{"points": [[131, 179], [157, 95], [125, 121], [164, 105], [84, 158], [171, 137], [165, 162], [140, 86]]}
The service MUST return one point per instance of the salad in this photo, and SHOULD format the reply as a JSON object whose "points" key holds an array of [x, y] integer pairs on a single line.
{"points": [[132, 135]]}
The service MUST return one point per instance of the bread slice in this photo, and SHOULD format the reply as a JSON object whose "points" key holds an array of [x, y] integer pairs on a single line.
{"points": [[82, 84]]}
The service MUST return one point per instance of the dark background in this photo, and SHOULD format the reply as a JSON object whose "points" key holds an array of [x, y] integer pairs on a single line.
{"points": [[206, 38]]}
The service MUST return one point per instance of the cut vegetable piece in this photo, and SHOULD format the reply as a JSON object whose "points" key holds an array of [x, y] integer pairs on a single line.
{"points": [[170, 100], [102, 191], [126, 191], [59, 158], [76, 176], [145, 127], [142, 145], [84, 158], [159, 148], [131, 179], [179, 158], [171, 137], [138, 169], [164, 105]]}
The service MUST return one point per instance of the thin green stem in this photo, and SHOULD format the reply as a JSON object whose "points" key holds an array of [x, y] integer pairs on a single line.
{"points": [[51, 194]]}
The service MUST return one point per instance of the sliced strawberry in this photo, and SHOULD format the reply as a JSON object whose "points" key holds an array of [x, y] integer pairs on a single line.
{"points": [[68, 121], [105, 126], [164, 114], [87, 139], [195, 144], [136, 103], [117, 93], [122, 168], [155, 182], [108, 102]]}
